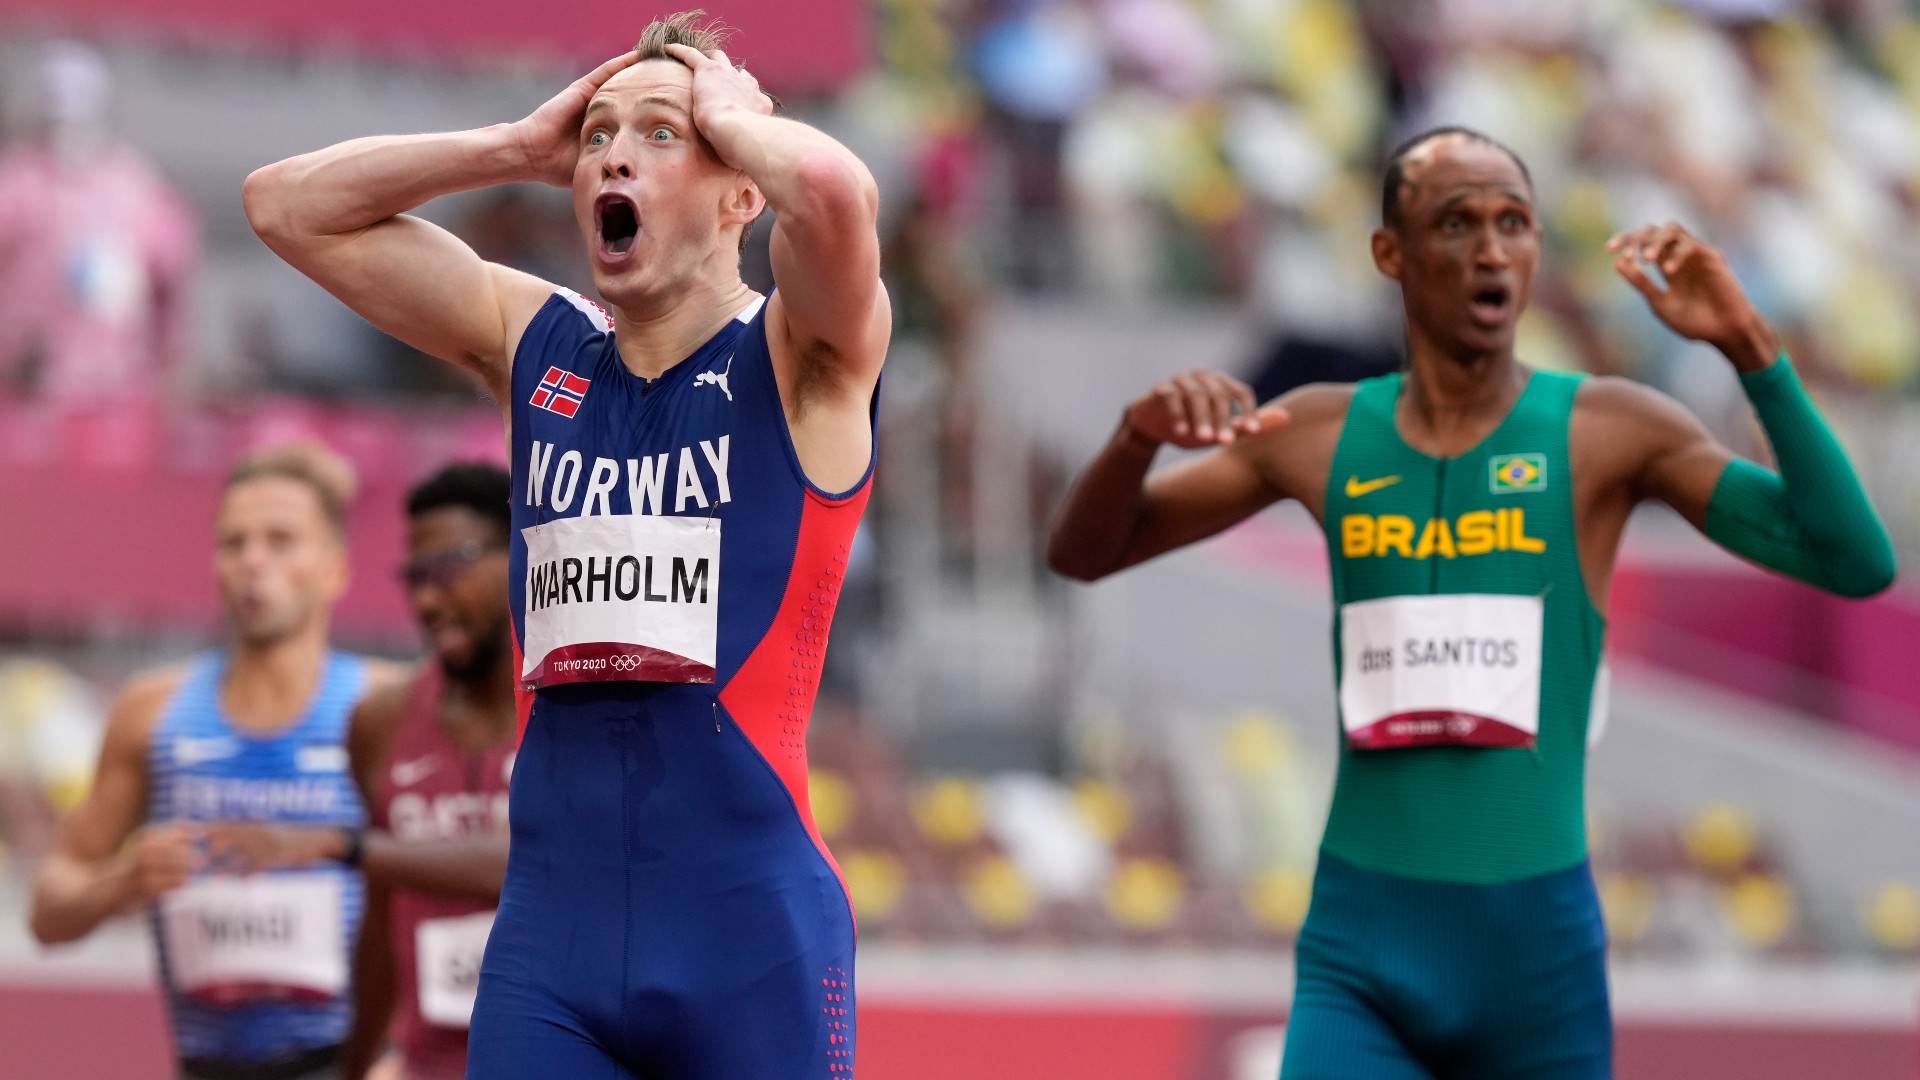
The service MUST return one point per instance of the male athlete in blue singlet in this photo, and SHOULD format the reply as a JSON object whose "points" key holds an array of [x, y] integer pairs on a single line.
{"points": [[688, 471], [255, 966]]}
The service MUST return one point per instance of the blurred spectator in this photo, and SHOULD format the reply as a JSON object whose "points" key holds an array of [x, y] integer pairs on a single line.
{"points": [[96, 251]]}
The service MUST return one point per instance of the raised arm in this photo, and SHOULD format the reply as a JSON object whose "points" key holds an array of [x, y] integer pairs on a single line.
{"points": [[93, 873], [1117, 516], [1810, 520], [829, 321], [338, 215]]}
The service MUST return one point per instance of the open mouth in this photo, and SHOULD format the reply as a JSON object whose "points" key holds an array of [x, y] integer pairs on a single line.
{"points": [[1491, 304], [619, 223]]}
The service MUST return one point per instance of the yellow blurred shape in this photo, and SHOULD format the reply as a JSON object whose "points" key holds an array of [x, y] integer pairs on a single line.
{"points": [[832, 799], [1893, 916], [1255, 745], [1628, 901], [1277, 898], [998, 894], [1760, 908], [947, 811], [1145, 894], [1720, 838], [875, 882], [1105, 808], [65, 791]]}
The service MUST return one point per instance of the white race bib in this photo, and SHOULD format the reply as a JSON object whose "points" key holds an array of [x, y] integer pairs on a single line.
{"points": [[1457, 670], [233, 940], [447, 953], [622, 596]]}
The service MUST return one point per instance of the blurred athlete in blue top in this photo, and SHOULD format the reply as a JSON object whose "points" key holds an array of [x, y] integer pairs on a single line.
{"points": [[255, 966]]}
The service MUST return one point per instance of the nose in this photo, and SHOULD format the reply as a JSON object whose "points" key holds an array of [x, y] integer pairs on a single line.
{"points": [[618, 163], [1491, 252]]}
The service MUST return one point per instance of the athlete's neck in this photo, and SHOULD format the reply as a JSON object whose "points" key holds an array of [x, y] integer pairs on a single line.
{"points": [[654, 338], [269, 684], [487, 694], [1450, 402]]}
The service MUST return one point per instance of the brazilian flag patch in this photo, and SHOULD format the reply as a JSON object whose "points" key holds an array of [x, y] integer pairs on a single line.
{"points": [[1510, 474]]}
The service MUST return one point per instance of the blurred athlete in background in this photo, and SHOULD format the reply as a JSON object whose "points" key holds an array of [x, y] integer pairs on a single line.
{"points": [[432, 757], [256, 967]]}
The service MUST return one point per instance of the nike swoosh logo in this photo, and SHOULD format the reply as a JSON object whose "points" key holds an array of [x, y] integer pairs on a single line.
{"points": [[1356, 488], [409, 773]]}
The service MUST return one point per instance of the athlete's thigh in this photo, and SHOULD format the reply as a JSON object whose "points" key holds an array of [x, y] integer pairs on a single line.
{"points": [[518, 1033], [1557, 1025], [1334, 1034]]}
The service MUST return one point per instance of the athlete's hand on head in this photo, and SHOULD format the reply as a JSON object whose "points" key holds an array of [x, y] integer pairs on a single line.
{"points": [[549, 136], [247, 846], [1702, 299], [1201, 408], [719, 86], [162, 856]]}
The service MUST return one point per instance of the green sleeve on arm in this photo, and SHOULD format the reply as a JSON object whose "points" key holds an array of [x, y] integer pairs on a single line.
{"points": [[1811, 520]]}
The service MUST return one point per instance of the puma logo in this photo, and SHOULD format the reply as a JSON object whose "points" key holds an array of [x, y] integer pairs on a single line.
{"points": [[717, 378], [1357, 487]]}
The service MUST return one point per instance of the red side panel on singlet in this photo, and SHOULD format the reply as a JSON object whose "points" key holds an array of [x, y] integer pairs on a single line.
{"points": [[430, 790]]}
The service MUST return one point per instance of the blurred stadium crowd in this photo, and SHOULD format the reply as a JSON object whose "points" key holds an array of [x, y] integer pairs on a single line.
{"points": [[1104, 152]]}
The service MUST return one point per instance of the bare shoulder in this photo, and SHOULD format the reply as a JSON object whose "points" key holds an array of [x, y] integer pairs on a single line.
{"points": [[1294, 457], [1614, 397], [377, 716], [1609, 406], [1315, 413], [389, 685], [130, 722]]}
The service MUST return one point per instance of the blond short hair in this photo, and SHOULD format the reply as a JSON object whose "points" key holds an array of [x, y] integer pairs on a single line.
{"points": [[329, 476], [690, 28]]}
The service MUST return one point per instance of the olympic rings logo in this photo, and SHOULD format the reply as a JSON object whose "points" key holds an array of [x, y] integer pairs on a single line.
{"points": [[625, 662]]}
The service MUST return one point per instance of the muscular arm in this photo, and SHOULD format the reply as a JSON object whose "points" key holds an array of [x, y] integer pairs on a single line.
{"points": [[1811, 520], [1117, 515], [89, 876], [829, 321], [1112, 520], [338, 216]]}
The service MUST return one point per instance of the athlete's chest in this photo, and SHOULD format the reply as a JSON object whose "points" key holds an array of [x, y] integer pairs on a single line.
{"points": [[435, 790], [601, 441]]}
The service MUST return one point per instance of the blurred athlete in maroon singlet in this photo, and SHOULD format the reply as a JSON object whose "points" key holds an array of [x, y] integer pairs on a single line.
{"points": [[432, 760]]}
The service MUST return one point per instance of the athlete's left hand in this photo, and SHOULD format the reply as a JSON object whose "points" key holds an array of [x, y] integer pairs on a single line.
{"points": [[248, 846], [719, 87], [1702, 300]]}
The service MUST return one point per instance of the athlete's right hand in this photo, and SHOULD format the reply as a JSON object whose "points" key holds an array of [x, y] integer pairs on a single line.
{"points": [[549, 136], [1200, 408], [159, 859]]}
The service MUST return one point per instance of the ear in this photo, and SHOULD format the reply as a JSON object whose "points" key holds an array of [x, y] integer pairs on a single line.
{"points": [[1386, 252], [743, 202]]}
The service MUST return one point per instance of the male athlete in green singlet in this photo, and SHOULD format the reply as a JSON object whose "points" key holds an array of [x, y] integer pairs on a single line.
{"points": [[1472, 508]]}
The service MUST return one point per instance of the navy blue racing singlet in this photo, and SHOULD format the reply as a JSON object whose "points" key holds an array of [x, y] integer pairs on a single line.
{"points": [[674, 575]]}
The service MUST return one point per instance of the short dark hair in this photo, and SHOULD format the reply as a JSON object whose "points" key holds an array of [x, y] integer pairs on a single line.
{"points": [[483, 488], [1396, 165], [305, 462]]}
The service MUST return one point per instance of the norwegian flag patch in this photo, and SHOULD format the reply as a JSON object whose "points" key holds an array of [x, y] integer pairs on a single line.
{"points": [[560, 392]]}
